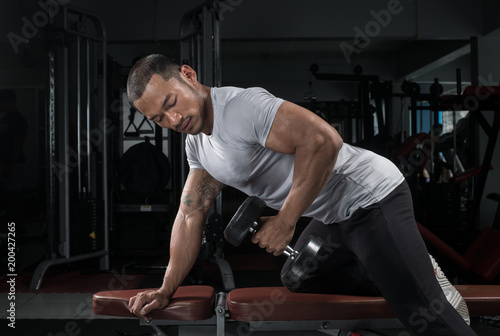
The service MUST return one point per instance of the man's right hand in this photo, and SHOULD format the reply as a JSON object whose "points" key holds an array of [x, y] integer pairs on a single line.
{"points": [[144, 302]]}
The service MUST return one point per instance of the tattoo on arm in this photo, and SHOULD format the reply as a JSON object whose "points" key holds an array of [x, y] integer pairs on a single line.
{"points": [[207, 189], [187, 200]]}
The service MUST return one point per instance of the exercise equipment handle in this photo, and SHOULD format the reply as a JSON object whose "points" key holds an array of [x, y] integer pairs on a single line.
{"points": [[290, 252]]}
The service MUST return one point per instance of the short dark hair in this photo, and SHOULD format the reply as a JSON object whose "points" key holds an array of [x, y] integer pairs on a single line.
{"points": [[8, 96], [145, 68]]}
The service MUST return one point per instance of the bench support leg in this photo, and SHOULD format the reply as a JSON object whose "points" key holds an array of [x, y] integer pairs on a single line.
{"points": [[220, 312], [158, 330], [225, 271]]}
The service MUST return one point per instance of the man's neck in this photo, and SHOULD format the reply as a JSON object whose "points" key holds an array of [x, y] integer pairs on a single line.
{"points": [[209, 110]]}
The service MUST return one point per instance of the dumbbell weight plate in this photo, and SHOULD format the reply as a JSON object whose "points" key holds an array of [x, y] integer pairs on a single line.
{"points": [[248, 213], [304, 263]]}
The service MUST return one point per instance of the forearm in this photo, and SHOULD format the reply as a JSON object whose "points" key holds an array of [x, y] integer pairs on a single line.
{"points": [[198, 196], [187, 234]]}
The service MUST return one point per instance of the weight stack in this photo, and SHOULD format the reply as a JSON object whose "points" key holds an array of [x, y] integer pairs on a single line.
{"points": [[87, 226]]}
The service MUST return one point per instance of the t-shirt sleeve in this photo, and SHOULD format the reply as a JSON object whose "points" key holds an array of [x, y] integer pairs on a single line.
{"points": [[192, 153], [249, 116]]}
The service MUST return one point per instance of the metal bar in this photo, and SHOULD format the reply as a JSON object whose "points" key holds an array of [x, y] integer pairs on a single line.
{"points": [[225, 271], [88, 149], [197, 59], [212, 321], [104, 262], [78, 112], [36, 280], [217, 46], [220, 312], [454, 140], [402, 102], [413, 114], [485, 167], [431, 154], [483, 122], [86, 36], [344, 77], [207, 58], [378, 108], [51, 154], [422, 121], [368, 124], [64, 196], [158, 330]]}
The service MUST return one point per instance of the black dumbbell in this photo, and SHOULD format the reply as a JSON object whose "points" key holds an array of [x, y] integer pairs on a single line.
{"points": [[245, 221]]}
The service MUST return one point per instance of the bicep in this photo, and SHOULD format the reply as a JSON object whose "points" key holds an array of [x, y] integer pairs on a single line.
{"points": [[294, 126], [200, 192]]}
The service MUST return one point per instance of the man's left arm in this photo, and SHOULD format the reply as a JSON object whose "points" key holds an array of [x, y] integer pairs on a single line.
{"points": [[315, 144]]}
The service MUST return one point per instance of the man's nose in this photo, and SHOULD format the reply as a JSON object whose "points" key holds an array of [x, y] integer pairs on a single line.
{"points": [[174, 117]]}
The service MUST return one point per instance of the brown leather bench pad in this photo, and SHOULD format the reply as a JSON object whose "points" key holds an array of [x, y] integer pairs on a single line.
{"points": [[189, 303], [279, 304], [195, 303]]}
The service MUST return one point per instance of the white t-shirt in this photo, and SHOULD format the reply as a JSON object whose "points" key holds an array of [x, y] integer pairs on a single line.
{"points": [[235, 155]]}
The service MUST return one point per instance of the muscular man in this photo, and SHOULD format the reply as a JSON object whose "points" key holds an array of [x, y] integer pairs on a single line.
{"points": [[298, 164]]}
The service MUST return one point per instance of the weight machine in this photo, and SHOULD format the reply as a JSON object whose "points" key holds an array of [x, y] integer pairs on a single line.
{"points": [[373, 103], [476, 100], [441, 198], [76, 141]]}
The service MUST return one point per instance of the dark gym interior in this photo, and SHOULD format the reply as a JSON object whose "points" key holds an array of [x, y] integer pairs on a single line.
{"points": [[95, 186]]}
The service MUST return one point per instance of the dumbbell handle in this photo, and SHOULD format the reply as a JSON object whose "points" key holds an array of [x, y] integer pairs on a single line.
{"points": [[289, 252]]}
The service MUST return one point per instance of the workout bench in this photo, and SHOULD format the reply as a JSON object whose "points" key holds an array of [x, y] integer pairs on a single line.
{"points": [[199, 309]]}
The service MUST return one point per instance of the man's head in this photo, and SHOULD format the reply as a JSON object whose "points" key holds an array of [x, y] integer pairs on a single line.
{"points": [[145, 68], [170, 95]]}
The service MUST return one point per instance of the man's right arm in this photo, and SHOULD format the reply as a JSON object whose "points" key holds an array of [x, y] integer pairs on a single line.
{"points": [[199, 194]]}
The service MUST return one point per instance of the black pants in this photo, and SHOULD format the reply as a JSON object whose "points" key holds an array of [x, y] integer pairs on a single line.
{"points": [[379, 251]]}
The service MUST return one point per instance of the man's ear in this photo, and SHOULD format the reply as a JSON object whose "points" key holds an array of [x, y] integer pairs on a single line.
{"points": [[189, 74]]}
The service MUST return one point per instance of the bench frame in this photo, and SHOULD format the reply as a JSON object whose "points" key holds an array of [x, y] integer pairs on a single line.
{"points": [[222, 316], [339, 327]]}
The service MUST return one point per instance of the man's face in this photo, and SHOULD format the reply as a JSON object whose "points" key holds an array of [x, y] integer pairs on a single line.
{"points": [[173, 104]]}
